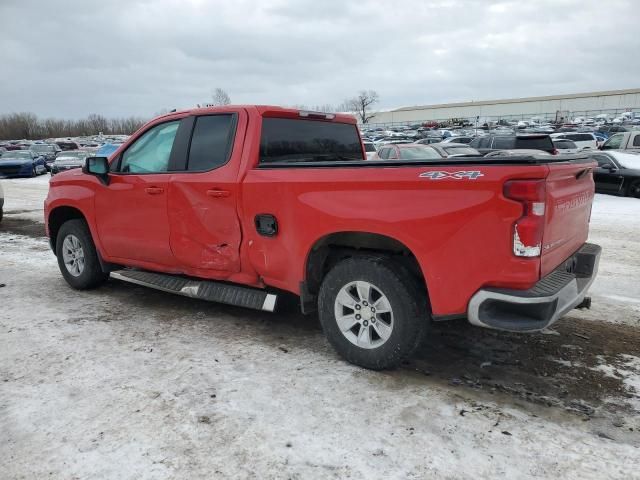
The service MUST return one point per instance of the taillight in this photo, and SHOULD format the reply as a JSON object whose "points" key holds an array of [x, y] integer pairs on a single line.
{"points": [[528, 229], [555, 151]]}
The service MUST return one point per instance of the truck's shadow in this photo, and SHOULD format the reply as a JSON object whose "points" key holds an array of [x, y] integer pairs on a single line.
{"points": [[559, 369]]}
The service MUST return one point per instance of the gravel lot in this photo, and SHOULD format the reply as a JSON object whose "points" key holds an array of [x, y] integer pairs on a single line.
{"points": [[126, 382]]}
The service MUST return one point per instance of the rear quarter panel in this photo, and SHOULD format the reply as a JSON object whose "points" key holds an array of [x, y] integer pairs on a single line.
{"points": [[460, 230]]}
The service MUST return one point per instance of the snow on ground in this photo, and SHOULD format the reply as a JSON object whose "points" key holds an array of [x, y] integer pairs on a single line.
{"points": [[24, 197], [126, 382], [615, 226]]}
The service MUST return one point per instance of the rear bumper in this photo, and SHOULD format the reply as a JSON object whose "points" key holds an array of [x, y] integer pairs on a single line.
{"points": [[543, 304]]}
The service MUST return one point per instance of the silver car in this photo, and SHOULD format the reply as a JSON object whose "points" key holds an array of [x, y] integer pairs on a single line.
{"points": [[69, 160]]}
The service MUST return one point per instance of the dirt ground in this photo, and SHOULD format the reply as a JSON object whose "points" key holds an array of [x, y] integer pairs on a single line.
{"points": [[128, 382]]}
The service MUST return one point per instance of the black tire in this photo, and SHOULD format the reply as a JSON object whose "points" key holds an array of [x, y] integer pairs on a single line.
{"points": [[408, 302], [633, 190], [92, 275], [34, 172]]}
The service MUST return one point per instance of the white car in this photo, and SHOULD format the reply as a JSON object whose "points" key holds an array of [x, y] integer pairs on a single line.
{"points": [[1, 202], [583, 140], [564, 146], [370, 149]]}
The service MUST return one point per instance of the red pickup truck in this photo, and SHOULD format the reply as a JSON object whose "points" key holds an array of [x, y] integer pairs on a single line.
{"points": [[237, 204]]}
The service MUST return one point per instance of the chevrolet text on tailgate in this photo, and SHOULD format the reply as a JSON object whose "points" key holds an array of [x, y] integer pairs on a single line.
{"points": [[236, 204]]}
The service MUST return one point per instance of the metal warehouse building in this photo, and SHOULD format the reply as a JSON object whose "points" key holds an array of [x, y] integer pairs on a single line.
{"points": [[551, 107]]}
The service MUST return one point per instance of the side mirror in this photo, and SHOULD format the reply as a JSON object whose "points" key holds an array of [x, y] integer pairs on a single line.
{"points": [[98, 166], [608, 166]]}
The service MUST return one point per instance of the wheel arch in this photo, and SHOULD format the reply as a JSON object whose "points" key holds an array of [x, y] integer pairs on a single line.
{"points": [[334, 247], [57, 217]]}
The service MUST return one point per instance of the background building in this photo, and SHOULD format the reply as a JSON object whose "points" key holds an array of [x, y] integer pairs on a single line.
{"points": [[552, 107]]}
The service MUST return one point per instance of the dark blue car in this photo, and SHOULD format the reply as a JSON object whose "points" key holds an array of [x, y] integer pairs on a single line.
{"points": [[21, 163]]}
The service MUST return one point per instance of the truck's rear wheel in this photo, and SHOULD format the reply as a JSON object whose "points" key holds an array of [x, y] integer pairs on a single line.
{"points": [[372, 311], [77, 256]]}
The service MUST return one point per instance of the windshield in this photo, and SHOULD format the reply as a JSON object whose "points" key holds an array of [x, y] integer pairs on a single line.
{"points": [[627, 160], [369, 147], [42, 148], [16, 154], [419, 153]]}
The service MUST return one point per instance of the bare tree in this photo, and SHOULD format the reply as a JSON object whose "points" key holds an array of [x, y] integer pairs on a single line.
{"points": [[24, 125], [360, 105], [220, 97]]}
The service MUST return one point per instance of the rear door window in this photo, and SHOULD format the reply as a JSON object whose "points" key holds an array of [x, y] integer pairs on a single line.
{"points": [[636, 141], [290, 140], [211, 142]]}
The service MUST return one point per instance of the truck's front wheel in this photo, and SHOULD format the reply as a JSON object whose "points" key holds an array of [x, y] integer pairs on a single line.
{"points": [[372, 311], [77, 256]]}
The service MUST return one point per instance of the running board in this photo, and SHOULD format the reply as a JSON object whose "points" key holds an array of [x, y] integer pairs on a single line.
{"points": [[203, 289]]}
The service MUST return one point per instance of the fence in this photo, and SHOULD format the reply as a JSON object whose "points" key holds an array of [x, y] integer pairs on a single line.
{"points": [[563, 116]]}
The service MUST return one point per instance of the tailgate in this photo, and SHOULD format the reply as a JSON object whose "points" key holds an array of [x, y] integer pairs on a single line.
{"points": [[570, 190]]}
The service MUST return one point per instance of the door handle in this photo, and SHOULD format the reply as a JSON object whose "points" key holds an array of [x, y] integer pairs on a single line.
{"points": [[215, 193], [154, 190]]}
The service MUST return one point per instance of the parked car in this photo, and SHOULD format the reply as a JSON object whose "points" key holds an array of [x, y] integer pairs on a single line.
{"points": [[107, 149], [617, 173], [623, 141], [517, 153], [454, 149], [255, 204], [457, 139], [429, 140], [48, 151], [392, 141], [409, 151], [13, 146], [564, 146], [611, 129], [492, 142], [66, 145], [583, 141], [1, 202], [370, 149], [21, 163], [70, 160], [600, 138]]}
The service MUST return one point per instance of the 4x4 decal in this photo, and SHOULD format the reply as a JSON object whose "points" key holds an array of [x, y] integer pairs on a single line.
{"points": [[464, 174]]}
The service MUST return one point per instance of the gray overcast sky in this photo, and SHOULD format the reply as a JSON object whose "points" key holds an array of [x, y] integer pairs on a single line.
{"points": [[125, 57]]}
